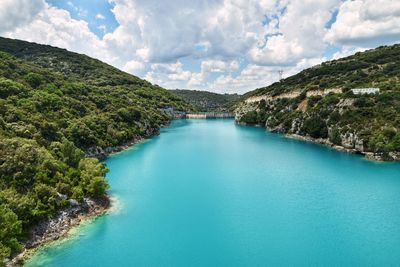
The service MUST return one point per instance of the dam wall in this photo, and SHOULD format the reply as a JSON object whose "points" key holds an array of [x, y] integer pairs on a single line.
{"points": [[210, 115]]}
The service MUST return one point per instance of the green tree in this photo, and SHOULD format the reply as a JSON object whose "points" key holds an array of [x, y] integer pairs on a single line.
{"points": [[34, 79], [67, 152], [250, 117], [10, 231], [335, 137], [315, 127], [9, 88], [92, 175]]}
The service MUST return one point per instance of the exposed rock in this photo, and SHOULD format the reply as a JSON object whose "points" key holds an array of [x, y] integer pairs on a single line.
{"points": [[359, 145], [73, 202], [100, 153], [348, 140], [58, 227]]}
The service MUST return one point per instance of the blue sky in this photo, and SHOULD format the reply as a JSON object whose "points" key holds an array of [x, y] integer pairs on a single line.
{"points": [[97, 13], [216, 45]]}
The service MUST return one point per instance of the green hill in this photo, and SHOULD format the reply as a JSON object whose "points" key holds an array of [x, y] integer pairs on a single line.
{"points": [[318, 104], [56, 106], [207, 101]]}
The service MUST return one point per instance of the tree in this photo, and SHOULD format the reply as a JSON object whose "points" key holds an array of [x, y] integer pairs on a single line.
{"points": [[250, 117], [92, 177], [9, 87], [34, 79], [335, 137], [67, 152], [315, 127], [10, 231], [20, 159], [82, 135]]}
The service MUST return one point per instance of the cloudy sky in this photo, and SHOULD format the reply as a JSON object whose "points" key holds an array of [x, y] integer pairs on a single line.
{"points": [[218, 45]]}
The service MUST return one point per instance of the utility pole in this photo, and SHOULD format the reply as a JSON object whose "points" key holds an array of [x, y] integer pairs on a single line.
{"points": [[280, 74]]}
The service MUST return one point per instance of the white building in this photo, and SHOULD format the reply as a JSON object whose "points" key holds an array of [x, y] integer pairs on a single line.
{"points": [[364, 91]]}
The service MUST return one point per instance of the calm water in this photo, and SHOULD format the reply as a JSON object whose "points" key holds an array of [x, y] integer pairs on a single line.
{"points": [[211, 193]]}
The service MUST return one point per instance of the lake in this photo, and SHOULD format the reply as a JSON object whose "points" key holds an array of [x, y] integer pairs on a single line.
{"points": [[213, 193]]}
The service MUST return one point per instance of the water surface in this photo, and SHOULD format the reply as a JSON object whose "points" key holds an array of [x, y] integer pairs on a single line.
{"points": [[211, 193]]}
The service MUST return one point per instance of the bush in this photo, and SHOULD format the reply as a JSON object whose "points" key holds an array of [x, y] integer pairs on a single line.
{"points": [[335, 137], [315, 127], [92, 173], [9, 88], [34, 79], [250, 117], [10, 231]]}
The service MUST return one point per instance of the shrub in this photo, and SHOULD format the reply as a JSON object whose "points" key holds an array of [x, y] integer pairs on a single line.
{"points": [[250, 117], [34, 79], [9, 88], [335, 137], [315, 127]]}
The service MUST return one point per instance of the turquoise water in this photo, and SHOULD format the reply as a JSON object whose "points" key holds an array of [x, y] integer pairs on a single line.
{"points": [[211, 193]]}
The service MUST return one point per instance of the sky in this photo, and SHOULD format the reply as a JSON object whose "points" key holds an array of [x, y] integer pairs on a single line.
{"points": [[224, 46]]}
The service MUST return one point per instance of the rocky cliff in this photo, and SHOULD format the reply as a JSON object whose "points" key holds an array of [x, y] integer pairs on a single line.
{"points": [[319, 105]]}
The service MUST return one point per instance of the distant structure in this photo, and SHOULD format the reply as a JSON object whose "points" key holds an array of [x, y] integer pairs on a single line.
{"points": [[365, 91], [280, 75]]}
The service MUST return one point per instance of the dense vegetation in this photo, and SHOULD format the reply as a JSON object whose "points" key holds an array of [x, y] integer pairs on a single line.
{"points": [[373, 68], [54, 106], [368, 123], [207, 101]]}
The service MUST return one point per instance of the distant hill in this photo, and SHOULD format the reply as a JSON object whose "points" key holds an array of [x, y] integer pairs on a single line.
{"points": [[318, 104], [55, 107], [208, 101]]}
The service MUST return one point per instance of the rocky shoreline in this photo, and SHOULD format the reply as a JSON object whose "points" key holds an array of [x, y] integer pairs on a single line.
{"points": [[102, 153], [390, 156], [58, 227]]}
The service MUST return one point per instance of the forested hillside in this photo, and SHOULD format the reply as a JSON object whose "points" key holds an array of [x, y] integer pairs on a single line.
{"points": [[207, 101], [318, 103], [55, 106]]}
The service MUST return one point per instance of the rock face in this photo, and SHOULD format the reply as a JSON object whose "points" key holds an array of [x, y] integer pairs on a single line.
{"points": [[57, 227], [341, 138], [349, 140]]}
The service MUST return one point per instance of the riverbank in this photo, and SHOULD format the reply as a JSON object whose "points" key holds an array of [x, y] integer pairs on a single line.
{"points": [[258, 208], [390, 156], [102, 153], [59, 227], [374, 156]]}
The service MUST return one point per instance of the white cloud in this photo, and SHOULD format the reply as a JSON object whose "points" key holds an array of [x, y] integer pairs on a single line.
{"points": [[197, 80], [236, 44], [16, 13], [299, 33], [366, 23], [56, 27], [100, 16], [171, 75], [218, 66], [252, 76], [256, 76], [133, 66]]}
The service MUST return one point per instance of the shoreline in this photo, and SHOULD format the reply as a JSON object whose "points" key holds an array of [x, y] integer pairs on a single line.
{"points": [[102, 154], [59, 227], [377, 157], [373, 156]]}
